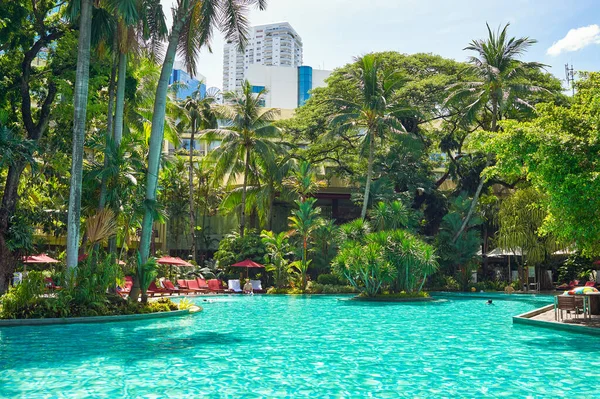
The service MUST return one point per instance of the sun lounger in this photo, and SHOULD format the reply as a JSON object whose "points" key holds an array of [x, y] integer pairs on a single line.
{"points": [[215, 286], [590, 284], [234, 285], [202, 283], [123, 291], [175, 290], [572, 284], [192, 285], [181, 283], [257, 286], [154, 290], [50, 284]]}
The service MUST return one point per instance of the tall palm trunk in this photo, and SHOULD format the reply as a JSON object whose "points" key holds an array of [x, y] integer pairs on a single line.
{"points": [[363, 214], [109, 121], [246, 172], [156, 142], [191, 183], [493, 128], [80, 104], [120, 101]]}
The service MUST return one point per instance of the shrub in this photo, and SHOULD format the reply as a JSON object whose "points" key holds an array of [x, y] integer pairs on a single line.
{"points": [[330, 279]]}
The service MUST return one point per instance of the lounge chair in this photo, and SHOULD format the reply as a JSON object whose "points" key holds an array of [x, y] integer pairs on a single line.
{"points": [[572, 284], [215, 286], [123, 291], [257, 286], [182, 284], [202, 284], [175, 290], [154, 290], [590, 284], [192, 285], [50, 284], [234, 285]]}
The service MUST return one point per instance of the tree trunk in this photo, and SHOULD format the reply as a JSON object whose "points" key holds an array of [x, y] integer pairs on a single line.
{"points": [[191, 182], [120, 101], [494, 126], [363, 214], [9, 202], [246, 172], [156, 142], [109, 123], [79, 118], [471, 208]]}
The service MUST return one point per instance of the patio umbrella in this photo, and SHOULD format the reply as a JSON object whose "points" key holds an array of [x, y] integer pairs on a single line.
{"points": [[248, 263], [41, 258], [173, 261]]}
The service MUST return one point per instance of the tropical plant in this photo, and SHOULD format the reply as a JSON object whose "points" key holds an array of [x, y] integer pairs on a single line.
{"points": [[500, 85], [146, 273], [278, 251], [374, 113], [192, 29], [304, 222], [201, 116], [390, 216], [246, 138]]}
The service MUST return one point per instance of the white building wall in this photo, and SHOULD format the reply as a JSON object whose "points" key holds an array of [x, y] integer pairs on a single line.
{"points": [[281, 83]]}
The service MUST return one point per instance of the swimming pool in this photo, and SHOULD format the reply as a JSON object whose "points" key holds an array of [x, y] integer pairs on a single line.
{"points": [[293, 347]]}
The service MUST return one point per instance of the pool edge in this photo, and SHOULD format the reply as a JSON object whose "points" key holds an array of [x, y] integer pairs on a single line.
{"points": [[526, 319]]}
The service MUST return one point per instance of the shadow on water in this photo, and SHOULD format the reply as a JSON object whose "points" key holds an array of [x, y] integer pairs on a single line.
{"points": [[576, 342], [121, 345]]}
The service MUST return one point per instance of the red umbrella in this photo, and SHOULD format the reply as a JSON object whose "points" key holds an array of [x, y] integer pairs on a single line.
{"points": [[41, 258], [168, 260], [173, 261], [248, 263]]}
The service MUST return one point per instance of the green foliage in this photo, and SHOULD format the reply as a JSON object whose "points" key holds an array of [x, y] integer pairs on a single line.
{"points": [[457, 258], [278, 251], [146, 272], [304, 222], [557, 153], [330, 279], [233, 248], [576, 267]]}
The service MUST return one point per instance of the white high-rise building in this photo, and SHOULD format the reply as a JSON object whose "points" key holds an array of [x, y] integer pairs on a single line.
{"points": [[275, 44]]}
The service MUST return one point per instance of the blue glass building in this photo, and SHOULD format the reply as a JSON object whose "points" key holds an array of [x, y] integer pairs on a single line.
{"points": [[305, 75], [191, 84]]}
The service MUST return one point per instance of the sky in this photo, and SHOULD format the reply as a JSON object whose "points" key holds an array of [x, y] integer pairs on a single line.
{"points": [[335, 31]]}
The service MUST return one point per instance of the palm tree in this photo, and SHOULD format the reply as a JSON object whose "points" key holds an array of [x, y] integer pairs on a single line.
{"points": [[500, 85], [373, 113], [201, 116], [192, 29], [304, 221], [278, 249], [247, 137], [80, 99]]}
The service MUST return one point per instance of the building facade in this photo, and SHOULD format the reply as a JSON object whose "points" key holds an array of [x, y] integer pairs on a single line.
{"points": [[188, 85], [275, 44], [287, 88]]}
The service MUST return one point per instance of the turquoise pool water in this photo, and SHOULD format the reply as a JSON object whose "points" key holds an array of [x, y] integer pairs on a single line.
{"points": [[296, 347]]}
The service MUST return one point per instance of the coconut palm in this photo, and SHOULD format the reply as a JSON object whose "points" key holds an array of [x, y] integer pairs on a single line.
{"points": [[80, 99], [500, 74], [247, 137], [374, 113], [193, 27], [201, 116], [501, 85], [304, 222]]}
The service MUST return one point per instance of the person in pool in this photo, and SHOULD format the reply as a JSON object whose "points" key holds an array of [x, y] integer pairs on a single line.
{"points": [[490, 302], [248, 287]]}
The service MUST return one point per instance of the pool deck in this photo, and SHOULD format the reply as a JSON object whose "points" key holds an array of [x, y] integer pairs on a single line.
{"points": [[544, 317]]}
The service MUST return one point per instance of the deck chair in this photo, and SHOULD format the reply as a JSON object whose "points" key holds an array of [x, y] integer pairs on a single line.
{"points": [[234, 285], [257, 286]]}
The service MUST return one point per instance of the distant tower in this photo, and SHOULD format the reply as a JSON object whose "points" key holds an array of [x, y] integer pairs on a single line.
{"points": [[275, 44], [570, 76]]}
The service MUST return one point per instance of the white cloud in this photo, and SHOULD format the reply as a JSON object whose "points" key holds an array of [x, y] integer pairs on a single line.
{"points": [[576, 39]]}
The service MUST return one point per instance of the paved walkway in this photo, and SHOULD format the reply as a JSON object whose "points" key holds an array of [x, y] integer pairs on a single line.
{"points": [[594, 321]]}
